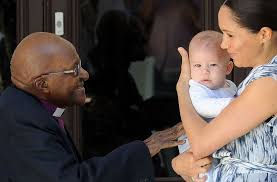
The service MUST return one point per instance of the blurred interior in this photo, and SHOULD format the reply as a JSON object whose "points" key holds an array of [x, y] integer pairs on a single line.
{"points": [[130, 51]]}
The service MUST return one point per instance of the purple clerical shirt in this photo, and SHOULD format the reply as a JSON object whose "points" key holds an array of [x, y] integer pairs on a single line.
{"points": [[51, 108]]}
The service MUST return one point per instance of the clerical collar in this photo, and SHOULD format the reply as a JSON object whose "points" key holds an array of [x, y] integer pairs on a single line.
{"points": [[52, 109]]}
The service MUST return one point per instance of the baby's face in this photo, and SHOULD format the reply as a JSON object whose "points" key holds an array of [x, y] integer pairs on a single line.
{"points": [[209, 68]]}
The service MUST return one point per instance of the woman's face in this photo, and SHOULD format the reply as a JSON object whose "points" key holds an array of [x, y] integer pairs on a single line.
{"points": [[242, 45]]}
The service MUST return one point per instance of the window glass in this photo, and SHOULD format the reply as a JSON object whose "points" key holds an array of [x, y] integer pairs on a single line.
{"points": [[129, 48], [7, 39]]}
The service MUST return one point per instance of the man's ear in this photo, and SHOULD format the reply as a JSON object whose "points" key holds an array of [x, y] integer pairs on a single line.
{"points": [[265, 34], [40, 84], [229, 67]]}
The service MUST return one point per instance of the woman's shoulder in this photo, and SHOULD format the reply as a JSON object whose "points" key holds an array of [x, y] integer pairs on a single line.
{"points": [[265, 70]]}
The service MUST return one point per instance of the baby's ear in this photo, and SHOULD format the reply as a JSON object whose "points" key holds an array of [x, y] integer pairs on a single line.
{"points": [[229, 67]]}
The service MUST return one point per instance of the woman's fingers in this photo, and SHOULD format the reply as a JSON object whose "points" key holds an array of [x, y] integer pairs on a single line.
{"points": [[185, 57], [203, 162], [184, 165], [202, 179], [207, 167], [185, 67], [183, 54]]}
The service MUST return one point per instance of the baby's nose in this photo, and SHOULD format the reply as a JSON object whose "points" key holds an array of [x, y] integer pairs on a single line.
{"points": [[206, 70]]}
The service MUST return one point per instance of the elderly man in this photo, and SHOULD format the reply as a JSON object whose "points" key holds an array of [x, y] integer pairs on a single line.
{"points": [[47, 76]]}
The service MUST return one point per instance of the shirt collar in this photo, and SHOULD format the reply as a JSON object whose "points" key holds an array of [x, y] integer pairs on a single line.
{"points": [[52, 109]]}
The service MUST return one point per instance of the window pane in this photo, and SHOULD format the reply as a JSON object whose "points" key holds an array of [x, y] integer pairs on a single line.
{"points": [[7, 39], [129, 48]]}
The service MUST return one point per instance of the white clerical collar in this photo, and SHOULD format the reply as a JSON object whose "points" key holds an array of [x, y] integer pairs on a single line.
{"points": [[58, 112]]}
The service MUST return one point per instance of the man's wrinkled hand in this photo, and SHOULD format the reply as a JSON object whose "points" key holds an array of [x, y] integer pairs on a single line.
{"points": [[164, 139]]}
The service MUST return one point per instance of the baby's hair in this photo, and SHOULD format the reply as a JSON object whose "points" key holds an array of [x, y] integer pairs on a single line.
{"points": [[208, 39]]}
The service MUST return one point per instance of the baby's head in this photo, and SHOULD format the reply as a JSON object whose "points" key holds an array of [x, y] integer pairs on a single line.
{"points": [[209, 63]]}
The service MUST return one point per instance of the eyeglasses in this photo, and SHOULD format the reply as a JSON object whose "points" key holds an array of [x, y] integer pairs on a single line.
{"points": [[75, 71]]}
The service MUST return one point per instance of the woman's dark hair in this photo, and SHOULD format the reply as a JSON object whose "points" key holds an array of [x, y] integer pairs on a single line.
{"points": [[254, 14]]}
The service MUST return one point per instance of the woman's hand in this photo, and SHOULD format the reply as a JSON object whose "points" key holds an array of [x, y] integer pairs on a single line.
{"points": [[185, 69], [165, 139], [185, 165]]}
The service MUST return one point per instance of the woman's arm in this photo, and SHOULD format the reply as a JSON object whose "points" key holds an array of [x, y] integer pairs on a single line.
{"points": [[251, 108]]}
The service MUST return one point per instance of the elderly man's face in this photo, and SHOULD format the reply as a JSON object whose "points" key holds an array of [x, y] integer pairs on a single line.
{"points": [[49, 67], [66, 81]]}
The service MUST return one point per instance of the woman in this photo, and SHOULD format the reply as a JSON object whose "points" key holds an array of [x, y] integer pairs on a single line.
{"points": [[244, 136]]}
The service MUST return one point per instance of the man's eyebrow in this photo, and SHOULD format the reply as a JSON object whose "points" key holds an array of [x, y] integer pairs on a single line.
{"points": [[75, 62]]}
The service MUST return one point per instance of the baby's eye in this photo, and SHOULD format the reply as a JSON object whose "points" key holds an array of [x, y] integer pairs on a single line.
{"points": [[213, 65], [197, 65]]}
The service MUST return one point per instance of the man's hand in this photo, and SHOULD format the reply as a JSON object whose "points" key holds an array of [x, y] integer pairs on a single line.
{"points": [[164, 139], [185, 165]]}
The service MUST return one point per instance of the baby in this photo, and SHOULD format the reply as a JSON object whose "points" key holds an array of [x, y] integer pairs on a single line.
{"points": [[210, 91]]}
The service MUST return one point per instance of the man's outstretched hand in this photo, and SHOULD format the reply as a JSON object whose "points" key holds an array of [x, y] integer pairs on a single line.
{"points": [[164, 139]]}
